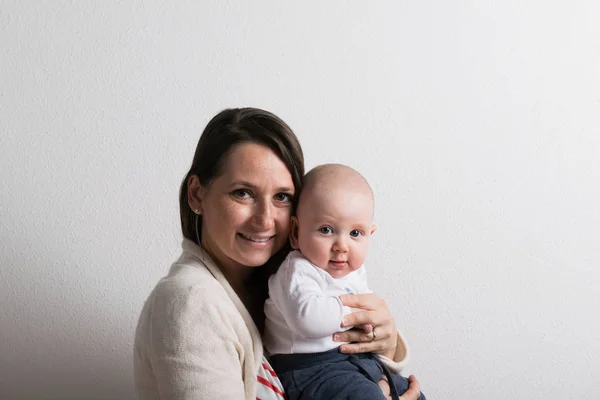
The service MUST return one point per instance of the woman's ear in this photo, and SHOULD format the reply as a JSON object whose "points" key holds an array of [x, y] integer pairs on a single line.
{"points": [[195, 193], [294, 233]]}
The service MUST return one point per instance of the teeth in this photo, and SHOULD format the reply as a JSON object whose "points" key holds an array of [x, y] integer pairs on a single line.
{"points": [[258, 240]]}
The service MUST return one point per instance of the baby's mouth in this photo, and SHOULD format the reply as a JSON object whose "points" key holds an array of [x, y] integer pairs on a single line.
{"points": [[338, 263]]}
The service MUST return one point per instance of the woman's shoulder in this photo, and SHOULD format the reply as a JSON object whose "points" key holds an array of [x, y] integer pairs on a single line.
{"points": [[194, 288], [189, 278], [183, 278], [186, 295]]}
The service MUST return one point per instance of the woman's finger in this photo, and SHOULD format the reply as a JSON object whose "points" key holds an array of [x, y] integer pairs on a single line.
{"points": [[360, 335], [363, 342], [363, 347], [367, 301], [414, 389], [354, 335], [374, 318]]}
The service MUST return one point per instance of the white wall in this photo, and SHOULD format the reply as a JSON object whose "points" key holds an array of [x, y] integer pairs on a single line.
{"points": [[477, 123]]}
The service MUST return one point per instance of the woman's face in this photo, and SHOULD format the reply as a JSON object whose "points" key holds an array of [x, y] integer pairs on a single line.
{"points": [[246, 210]]}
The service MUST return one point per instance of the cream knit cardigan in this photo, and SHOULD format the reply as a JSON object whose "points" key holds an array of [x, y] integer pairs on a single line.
{"points": [[196, 340]]}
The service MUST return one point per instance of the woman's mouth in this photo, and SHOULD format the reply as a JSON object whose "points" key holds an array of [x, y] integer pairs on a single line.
{"points": [[256, 239]]}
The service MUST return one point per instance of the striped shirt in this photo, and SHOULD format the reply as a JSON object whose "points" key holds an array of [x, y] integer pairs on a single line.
{"points": [[269, 387]]}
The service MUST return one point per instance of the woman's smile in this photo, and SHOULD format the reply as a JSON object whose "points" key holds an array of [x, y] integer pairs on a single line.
{"points": [[258, 240]]}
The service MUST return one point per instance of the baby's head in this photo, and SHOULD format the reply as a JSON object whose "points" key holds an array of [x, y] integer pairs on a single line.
{"points": [[334, 219]]}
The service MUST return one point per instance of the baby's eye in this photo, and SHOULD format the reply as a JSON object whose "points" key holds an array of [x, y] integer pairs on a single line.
{"points": [[355, 233], [241, 193], [283, 197], [326, 230]]}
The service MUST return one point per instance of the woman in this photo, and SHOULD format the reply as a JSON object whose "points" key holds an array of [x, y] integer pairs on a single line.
{"points": [[198, 335]]}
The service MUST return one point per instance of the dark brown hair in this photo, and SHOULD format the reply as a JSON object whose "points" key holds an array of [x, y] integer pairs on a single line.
{"points": [[227, 129]]}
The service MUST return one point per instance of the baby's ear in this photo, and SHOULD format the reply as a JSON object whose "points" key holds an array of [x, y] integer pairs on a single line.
{"points": [[373, 228], [294, 233]]}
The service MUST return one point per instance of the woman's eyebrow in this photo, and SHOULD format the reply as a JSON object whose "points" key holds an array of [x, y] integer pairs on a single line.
{"points": [[285, 189], [253, 186], [242, 183]]}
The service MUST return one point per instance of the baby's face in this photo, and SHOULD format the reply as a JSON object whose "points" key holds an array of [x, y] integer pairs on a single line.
{"points": [[333, 229]]}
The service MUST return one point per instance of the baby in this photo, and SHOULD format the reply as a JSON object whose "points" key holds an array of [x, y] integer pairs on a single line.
{"points": [[331, 235]]}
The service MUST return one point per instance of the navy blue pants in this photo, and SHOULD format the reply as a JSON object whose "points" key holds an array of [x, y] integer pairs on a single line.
{"points": [[332, 375]]}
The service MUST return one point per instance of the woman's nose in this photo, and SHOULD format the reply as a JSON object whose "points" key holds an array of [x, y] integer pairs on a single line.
{"points": [[263, 217]]}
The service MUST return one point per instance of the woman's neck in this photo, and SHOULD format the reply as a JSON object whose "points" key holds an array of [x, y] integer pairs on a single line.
{"points": [[237, 275], [240, 278], [249, 294]]}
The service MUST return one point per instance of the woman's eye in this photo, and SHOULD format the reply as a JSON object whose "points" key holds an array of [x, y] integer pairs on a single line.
{"points": [[355, 233], [283, 197], [241, 193], [326, 230]]}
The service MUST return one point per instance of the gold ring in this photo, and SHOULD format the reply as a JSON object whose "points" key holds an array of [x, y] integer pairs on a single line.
{"points": [[374, 334]]}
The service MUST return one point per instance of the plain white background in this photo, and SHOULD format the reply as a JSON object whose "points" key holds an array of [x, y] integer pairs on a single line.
{"points": [[476, 122]]}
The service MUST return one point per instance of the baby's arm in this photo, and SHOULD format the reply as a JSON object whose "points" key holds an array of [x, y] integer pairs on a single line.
{"points": [[297, 292]]}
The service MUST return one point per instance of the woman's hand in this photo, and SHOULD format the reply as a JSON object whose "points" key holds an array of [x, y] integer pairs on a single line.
{"points": [[374, 317], [412, 393], [414, 389]]}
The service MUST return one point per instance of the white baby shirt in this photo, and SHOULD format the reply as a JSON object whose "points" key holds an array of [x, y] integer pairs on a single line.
{"points": [[303, 310]]}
